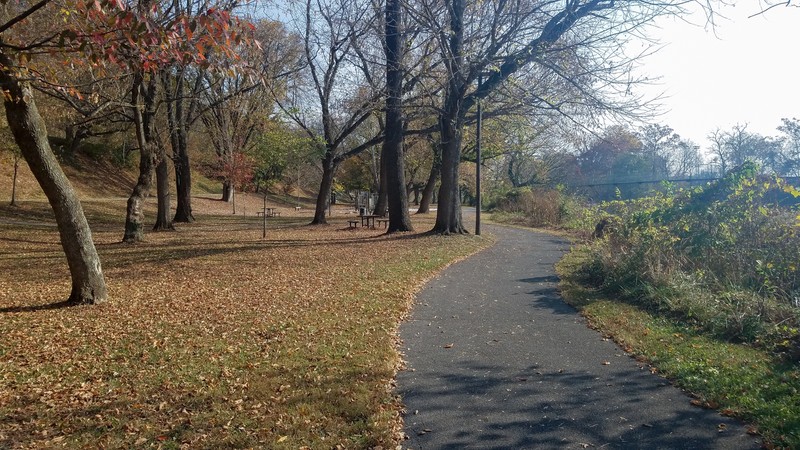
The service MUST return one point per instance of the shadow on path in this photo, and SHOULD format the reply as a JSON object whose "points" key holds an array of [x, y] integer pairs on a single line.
{"points": [[495, 359]]}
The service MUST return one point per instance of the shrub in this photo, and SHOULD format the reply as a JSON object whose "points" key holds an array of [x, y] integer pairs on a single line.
{"points": [[723, 257], [541, 207]]}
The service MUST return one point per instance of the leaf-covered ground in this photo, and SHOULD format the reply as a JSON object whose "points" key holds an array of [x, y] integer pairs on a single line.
{"points": [[213, 337]]}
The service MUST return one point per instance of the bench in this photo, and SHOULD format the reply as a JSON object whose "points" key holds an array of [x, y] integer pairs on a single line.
{"points": [[352, 224], [385, 222]]}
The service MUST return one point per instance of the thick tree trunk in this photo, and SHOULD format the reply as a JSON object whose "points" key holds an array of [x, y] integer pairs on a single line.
{"points": [[328, 173], [183, 184], [143, 98], [451, 123], [227, 191], [162, 190], [30, 133], [393, 142], [134, 217], [430, 185], [448, 212]]}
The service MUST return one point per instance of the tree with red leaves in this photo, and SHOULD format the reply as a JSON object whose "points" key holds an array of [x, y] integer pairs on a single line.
{"points": [[96, 34]]}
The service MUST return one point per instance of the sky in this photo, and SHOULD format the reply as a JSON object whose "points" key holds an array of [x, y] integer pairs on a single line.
{"points": [[744, 70]]}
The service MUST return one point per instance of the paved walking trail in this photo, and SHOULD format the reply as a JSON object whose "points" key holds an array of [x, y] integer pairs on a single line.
{"points": [[495, 359]]}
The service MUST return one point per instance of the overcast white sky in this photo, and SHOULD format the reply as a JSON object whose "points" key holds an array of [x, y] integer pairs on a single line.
{"points": [[747, 70]]}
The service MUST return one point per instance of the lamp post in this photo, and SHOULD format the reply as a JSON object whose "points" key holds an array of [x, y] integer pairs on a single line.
{"points": [[478, 164]]}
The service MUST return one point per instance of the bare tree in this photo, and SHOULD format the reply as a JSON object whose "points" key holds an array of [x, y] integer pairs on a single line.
{"points": [[734, 147], [576, 42], [336, 97], [790, 128]]}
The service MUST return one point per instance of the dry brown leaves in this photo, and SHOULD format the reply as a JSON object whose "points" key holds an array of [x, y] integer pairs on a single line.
{"points": [[213, 337]]}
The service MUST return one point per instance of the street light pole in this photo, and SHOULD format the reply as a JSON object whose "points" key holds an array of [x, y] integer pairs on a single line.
{"points": [[478, 164]]}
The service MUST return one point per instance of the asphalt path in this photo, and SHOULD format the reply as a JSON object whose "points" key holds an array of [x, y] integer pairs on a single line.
{"points": [[496, 360]]}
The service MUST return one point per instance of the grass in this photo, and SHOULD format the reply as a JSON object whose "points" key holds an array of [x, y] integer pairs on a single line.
{"points": [[738, 380], [213, 337]]}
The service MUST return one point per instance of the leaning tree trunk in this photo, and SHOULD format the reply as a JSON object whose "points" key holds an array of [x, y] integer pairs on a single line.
{"points": [[329, 166], [143, 98], [393, 141], [162, 189], [134, 217], [30, 134], [14, 181]]}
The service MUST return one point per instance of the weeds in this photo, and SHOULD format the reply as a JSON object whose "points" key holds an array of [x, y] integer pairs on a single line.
{"points": [[721, 257]]}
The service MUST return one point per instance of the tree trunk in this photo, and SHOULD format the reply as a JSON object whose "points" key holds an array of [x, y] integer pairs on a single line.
{"points": [[393, 142], [162, 190], [329, 166], [134, 217], [183, 183], [448, 212], [227, 191], [383, 197], [177, 118], [430, 185], [451, 123], [14, 181], [30, 134], [143, 99]]}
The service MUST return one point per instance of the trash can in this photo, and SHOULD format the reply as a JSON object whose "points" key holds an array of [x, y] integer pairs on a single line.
{"points": [[362, 211]]}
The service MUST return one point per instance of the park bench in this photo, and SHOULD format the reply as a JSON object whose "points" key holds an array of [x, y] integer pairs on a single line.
{"points": [[384, 221], [352, 224]]}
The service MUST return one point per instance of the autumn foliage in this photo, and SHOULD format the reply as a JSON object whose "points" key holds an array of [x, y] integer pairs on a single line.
{"points": [[216, 338]]}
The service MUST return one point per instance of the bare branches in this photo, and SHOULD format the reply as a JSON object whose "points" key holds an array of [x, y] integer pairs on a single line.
{"points": [[23, 15], [769, 6]]}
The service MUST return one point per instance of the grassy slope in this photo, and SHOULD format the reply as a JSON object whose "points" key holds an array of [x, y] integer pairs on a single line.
{"points": [[736, 379], [213, 337]]}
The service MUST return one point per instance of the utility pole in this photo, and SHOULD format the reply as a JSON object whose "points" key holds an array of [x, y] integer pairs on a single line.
{"points": [[264, 214], [478, 164]]}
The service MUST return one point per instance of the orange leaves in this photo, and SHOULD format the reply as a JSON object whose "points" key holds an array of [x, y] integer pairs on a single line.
{"points": [[212, 335]]}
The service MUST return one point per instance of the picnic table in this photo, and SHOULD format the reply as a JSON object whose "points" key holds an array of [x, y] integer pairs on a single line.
{"points": [[368, 220], [269, 212]]}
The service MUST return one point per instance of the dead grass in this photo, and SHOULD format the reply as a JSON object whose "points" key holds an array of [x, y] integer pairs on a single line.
{"points": [[213, 337]]}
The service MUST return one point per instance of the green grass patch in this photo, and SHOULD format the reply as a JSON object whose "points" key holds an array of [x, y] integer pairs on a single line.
{"points": [[737, 379]]}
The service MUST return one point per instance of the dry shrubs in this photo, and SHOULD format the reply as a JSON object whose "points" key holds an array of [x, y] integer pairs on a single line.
{"points": [[723, 257], [534, 207]]}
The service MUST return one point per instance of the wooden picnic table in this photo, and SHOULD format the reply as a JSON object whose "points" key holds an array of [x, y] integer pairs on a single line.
{"points": [[368, 220]]}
